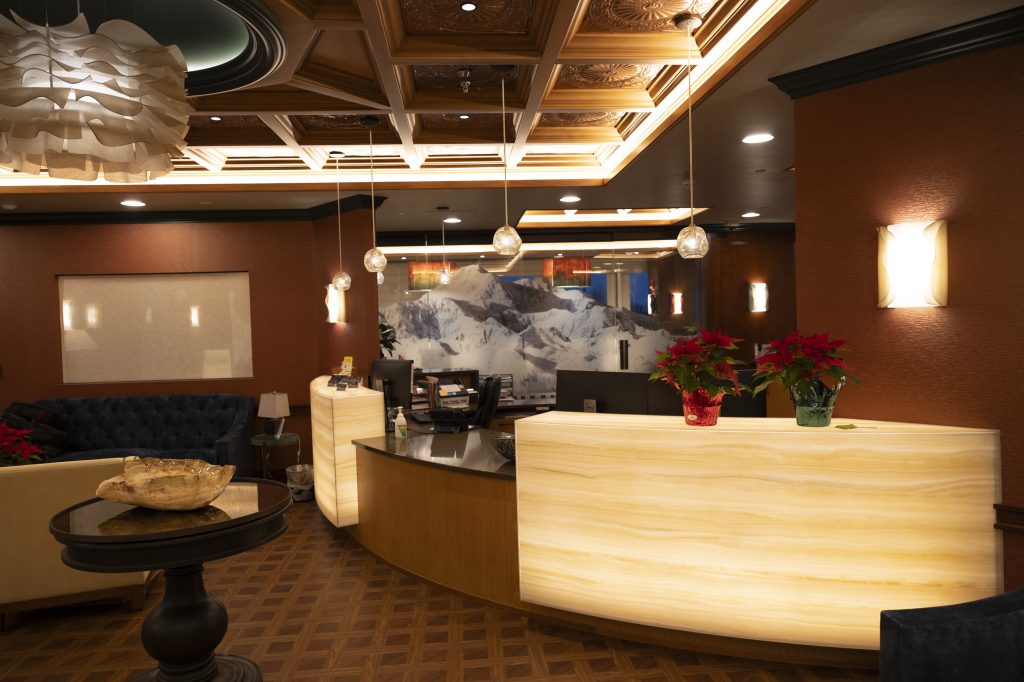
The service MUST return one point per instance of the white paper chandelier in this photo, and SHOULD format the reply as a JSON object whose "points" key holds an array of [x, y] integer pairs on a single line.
{"points": [[84, 104]]}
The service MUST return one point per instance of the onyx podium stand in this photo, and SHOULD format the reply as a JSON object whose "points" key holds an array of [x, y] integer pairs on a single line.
{"points": [[182, 631]]}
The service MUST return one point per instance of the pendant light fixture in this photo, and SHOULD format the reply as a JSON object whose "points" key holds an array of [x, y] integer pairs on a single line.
{"points": [[83, 104], [692, 241], [445, 275], [374, 260], [342, 281], [507, 241]]}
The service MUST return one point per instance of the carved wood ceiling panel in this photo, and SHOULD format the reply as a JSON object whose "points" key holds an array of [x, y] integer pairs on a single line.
{"points": [[638, 16], [490, 16], [444, 77], [607, 75], [578, 120]]}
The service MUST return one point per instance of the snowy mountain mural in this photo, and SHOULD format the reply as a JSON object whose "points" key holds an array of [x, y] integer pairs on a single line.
{"points": [[522, 328]]}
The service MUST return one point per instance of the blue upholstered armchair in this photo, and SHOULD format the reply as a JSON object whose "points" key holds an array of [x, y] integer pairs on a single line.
{"points": [[213, 427]]}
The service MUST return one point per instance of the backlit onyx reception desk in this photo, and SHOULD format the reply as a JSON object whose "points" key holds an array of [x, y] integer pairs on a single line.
{"points": [[337, 418], [754, 528]]}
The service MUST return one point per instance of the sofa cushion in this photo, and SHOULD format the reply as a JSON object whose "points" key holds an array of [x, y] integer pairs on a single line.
{"points": [[39, 414], [187, 453], [158, 422]]}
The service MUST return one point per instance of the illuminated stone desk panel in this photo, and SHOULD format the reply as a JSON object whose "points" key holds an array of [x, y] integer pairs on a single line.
{"points": [[754, 528], [337, 418]]}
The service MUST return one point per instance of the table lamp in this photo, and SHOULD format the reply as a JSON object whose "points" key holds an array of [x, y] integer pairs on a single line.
{"points": [[274, 407]]}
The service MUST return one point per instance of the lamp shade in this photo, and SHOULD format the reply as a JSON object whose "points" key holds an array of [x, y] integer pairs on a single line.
{"points": [[273, 405], [81, 103]]}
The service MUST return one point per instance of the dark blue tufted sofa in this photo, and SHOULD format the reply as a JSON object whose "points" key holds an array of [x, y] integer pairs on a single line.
{"points": [[215, 427]]}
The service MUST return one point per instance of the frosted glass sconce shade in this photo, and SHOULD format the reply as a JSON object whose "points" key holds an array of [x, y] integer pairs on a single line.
{"points": [[375, 260], [82, 104], [692, 242], [912, 265], [677, 303], [757, 300], [335, 301]]}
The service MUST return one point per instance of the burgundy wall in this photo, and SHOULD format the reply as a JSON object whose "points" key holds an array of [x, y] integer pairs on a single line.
{"points": [[286, 295], [943, 141]]}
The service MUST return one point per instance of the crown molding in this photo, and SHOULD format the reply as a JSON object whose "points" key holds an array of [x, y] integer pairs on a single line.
{"points": [[973, 36]]}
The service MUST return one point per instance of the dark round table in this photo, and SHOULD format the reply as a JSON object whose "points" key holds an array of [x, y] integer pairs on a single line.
{"points": [[182, 631]]}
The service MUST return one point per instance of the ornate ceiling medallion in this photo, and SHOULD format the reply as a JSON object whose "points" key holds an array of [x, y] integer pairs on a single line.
{"points": [[639, 16], [329, 122], [446, 78], [602, 76], [581, 120], [490, 16]]}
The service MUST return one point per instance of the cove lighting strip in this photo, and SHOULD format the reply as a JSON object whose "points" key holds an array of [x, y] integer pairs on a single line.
{"points": [[661, 216], [546, 247]]}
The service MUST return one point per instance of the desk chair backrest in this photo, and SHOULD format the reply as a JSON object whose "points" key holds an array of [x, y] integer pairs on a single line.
{"points": [[489, 393]]}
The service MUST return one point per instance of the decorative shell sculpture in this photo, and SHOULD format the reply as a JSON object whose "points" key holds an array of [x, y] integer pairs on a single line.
{"points": [[168, 484]]}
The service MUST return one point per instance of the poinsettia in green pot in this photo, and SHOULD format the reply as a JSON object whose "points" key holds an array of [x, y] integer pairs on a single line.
{"points": [[812, 371], [701, 369]]}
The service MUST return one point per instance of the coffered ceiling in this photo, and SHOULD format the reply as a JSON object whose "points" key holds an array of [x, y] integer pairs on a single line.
{"points": [[592, 83]]}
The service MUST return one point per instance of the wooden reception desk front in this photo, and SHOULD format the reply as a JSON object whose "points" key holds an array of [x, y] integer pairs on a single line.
{"points": [[751, 538]]}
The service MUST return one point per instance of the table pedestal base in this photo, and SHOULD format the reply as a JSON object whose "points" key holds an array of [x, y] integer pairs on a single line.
{"points": [[228, 669], [183, 631]]}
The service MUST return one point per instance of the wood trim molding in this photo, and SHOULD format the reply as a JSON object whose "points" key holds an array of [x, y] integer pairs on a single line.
{"points": [[1009, 518], [981, 34]]}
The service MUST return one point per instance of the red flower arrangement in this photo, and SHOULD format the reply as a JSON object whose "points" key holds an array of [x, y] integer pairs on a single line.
{"points": [[14, 446], [699, 363], [801, 362]]}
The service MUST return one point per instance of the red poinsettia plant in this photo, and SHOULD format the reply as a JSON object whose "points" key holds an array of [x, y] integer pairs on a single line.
{"points": [[801, 363], [15, 447], [700, 363]]}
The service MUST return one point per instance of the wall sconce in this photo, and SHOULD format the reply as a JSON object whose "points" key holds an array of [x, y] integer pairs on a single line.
{"points": [[757, 297], [677, 303], [912, 265], [335, 301]]}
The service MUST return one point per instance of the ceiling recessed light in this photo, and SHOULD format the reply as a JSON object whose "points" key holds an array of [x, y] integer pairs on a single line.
{"points": [[464, 116], [215, 118], [623, 211], [133, 203], [468, 6], [8, 207], [452, 220], [758, 138], [570, 211], [751, 214], [483, 256], [405, 258], [569, 199]]}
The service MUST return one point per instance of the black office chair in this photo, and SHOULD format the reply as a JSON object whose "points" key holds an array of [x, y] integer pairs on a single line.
{"points": [[490, 391]]}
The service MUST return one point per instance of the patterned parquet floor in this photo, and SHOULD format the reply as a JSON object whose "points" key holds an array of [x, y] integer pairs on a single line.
{"points": [[314, 605]]}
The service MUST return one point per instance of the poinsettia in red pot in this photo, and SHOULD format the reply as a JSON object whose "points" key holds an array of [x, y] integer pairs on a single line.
{"points": [[701, 369], [811, 369], [14, 446]]}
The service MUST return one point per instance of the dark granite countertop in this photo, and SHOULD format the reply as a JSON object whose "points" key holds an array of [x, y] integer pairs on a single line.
{"points": [[470, 452]]}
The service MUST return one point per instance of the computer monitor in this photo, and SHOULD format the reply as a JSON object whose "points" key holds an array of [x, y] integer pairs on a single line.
{"points": [[394, 379]]}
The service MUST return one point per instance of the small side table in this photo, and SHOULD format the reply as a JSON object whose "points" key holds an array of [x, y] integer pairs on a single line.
{"points": [[266, 441], [183, 630]]}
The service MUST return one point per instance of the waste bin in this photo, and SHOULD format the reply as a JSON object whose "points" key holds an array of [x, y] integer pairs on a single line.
{"points": [[300, 482]]}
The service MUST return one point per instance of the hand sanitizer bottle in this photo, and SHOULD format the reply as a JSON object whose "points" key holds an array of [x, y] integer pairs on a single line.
{"points": [[401, 428]]}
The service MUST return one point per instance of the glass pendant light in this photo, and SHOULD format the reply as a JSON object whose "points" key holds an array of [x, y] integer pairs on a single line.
{"points": [[445, 275], [374, 260], [342, 281], [692, 241], [506, 241]]}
